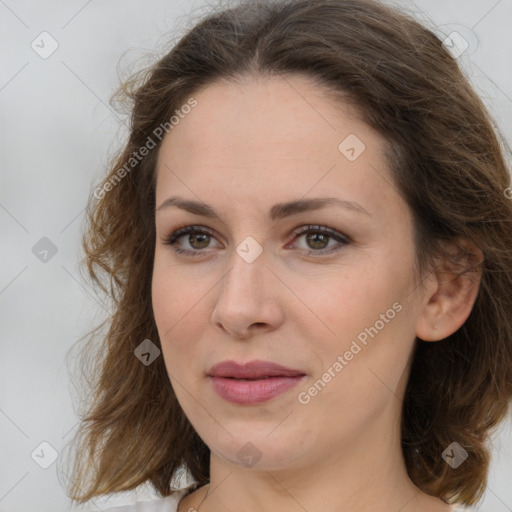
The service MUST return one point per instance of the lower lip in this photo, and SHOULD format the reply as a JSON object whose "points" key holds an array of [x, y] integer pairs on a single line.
{"points": [[250, 392]]}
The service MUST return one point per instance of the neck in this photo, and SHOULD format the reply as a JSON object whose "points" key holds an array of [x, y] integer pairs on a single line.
{"points": [[366, 473]]}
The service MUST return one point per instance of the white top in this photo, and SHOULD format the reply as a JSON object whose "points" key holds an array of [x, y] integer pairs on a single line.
{"points": [[170, 504], [167, 504]]}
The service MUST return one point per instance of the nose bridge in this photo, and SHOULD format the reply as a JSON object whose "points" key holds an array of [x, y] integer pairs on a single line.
{"points": [[242, 297], [246, 275]]}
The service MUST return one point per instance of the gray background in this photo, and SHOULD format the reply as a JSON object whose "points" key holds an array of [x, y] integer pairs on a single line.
{"points": [[57, 132]]}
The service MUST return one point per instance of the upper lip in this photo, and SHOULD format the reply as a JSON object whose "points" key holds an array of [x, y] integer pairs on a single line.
{"points": [[251, 370]]}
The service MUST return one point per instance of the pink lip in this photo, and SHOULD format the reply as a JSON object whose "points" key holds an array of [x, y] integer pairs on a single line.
{"points": [[268, 380]]}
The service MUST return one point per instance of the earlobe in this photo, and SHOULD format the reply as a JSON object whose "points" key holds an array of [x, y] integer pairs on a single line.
{"points": [[457, 277]]}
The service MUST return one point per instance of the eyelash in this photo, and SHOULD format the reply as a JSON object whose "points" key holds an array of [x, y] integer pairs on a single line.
{"points": [[303, 230]]}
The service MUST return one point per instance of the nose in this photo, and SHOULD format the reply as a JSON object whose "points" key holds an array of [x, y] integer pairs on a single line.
{"points": [[247, 301]]}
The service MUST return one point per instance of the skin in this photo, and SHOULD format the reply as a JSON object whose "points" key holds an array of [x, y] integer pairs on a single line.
{"points": [[242, 149]]}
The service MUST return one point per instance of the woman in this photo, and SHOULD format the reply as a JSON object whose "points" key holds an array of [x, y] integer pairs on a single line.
{"points": [[307, 242]]}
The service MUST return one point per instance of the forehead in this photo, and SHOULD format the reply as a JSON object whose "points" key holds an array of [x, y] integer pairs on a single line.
{"points": [[280, 113], [272, 139]]}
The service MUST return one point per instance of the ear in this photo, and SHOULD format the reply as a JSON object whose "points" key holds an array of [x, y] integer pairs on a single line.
{"points": [[451, 292]]}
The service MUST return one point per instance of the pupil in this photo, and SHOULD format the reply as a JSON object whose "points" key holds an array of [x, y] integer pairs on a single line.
{"points": [[204, 237], [317, 236]]}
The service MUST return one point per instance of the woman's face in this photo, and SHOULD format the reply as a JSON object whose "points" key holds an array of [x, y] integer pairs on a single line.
{"points": [[338, 307]]}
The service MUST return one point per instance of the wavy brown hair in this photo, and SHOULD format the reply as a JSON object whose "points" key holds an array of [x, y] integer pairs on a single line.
{"points": [[446, 160]]}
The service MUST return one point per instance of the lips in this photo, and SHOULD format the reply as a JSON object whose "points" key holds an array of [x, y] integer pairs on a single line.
{"points": [[252, 383], [252, 370]]}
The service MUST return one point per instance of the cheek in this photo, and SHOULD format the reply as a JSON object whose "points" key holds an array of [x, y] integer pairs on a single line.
{"points": [[357, 381], [176, 303], [365, 318], [175, 295], [348, 299]]}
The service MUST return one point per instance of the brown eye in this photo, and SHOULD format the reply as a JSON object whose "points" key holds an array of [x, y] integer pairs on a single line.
{"points": [[317, 239], [198, 239]]}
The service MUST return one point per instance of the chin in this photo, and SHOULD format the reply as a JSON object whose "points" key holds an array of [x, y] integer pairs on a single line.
{"points": [[260, 448]]}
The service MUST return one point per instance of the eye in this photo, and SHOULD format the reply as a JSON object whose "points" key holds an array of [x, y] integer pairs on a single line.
{"points": [[316, 238], [198, 238]]}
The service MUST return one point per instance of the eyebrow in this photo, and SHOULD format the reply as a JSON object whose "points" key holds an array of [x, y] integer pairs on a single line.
{"points": [[278, 211]]}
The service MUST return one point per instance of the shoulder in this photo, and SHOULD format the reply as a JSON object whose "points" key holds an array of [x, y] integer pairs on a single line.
{"points": [[167, 504]]}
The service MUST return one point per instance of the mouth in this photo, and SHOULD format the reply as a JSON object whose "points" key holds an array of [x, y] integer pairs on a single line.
{"points": [[252, 370], [251, 379], [254, 382]]}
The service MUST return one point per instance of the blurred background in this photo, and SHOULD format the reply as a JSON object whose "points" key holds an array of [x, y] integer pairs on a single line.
{"points": [[60, 64]]}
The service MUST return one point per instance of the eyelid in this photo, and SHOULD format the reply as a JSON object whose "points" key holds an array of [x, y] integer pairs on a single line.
{"points": [[334, 233], [185, 230], [341, 238]]}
